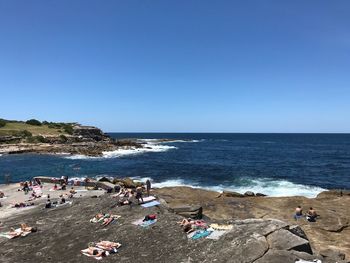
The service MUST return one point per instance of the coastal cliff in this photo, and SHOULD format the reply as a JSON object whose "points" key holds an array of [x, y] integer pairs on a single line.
{"points": [[57, 138]]}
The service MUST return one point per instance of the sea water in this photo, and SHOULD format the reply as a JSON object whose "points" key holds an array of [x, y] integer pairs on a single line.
{"points": [[273, 164]]}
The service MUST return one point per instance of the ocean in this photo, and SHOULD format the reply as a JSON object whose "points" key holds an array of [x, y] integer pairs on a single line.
{"points": [[273, 164]]}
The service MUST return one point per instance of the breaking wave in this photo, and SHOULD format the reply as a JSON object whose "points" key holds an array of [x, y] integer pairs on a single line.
{"points": [[126, 151], [276, 188]]}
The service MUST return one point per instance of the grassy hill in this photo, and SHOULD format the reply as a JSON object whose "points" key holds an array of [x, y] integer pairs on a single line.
{"points": [[12, 128], [34, 130]]}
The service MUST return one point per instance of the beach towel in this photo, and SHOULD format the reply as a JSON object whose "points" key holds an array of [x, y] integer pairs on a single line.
{"points": [[199, 234], [37, 190], [221, 227], [150, 204], [18, 230], [216, 234], [7, 235], [142, 223], [148, 199], [67, 203]]}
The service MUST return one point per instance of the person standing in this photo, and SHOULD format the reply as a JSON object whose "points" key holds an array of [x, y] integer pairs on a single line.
{"points": [[148, 186], [139, 194]]}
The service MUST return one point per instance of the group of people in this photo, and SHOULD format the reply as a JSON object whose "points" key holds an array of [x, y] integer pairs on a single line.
{"points": [[189, 225], [126, 195], [311, 215], [101, 249], [28, 185], [22, 231], [104, 219], [62, 197]]}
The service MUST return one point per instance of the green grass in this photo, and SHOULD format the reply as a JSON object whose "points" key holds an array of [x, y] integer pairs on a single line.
{"points": [[12, 128]]}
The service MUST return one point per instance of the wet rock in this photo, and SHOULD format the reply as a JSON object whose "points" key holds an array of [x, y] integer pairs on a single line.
{"points": [[333, 193], [260, 194], [249, 193]]}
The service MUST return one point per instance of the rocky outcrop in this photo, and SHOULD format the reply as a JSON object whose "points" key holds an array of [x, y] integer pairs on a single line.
{"points": [[127, 182], [62, 233], [331, 229], [89, 133], [194, 212]]}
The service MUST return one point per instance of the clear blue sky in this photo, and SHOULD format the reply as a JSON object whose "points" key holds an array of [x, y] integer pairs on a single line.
{"points": [[191, 66]]}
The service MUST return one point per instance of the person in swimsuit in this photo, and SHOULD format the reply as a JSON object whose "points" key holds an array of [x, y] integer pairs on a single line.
{"points": [[96, 252], [311, 215], [139, 194], [298, 212]]}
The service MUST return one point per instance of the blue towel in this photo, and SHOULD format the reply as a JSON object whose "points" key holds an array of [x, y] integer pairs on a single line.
{"points": [[153, 203], [201, 233], [148, 223]]}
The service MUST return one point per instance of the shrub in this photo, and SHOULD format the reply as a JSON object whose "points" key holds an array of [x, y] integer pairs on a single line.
{"points": [[36, 139], [40, 138], [33, 122], [68, 129], [2, 123], [26, 133], [63, 138], [23, 134]]}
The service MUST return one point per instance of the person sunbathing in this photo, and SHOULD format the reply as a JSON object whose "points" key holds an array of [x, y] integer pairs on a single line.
{"points": [[108, 245], [185, 221], [26, 228], [311, 215], [96, 252], [15, 233], [72, 191], [188, 228]]}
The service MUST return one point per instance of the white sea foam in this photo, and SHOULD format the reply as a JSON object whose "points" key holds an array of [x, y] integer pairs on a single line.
{"points": [[158, 141], [269, 187], [126, 151], [171, 183]]}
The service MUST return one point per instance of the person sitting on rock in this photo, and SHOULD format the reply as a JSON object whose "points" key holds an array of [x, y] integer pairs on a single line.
{"points": [[48, 203], [298, 212], [2, 195], [72, 191], [311, 215]]}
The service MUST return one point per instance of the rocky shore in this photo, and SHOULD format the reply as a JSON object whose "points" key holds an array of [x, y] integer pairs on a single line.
{"points": [[263, 229], [84, 140]]}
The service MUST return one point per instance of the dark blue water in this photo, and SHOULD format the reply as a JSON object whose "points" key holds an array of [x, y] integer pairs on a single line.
{"points": [[276, 164]]}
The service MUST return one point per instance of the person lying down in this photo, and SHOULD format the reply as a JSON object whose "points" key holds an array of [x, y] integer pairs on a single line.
{"points": [[101, 249], [23, 231]]}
